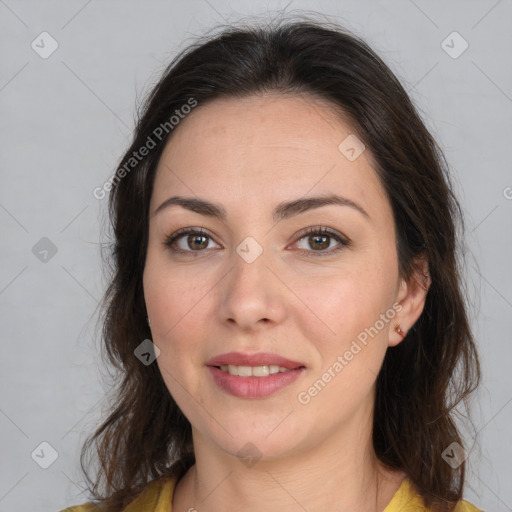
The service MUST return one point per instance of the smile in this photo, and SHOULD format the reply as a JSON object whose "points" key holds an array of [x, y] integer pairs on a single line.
{"points": [[249, 385], [253, 371]]}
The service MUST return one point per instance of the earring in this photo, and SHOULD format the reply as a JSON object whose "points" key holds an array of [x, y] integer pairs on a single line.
{"points": [[149, 322], [398, 329]]}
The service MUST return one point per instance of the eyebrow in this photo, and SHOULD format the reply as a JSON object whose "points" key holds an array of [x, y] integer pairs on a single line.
{"points": [[282, 211]]}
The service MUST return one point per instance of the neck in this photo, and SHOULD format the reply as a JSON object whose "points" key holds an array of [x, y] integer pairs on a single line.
{"points": [[340, 473]]}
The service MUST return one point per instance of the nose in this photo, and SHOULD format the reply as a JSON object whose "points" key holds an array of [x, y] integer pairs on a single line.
{"points": [[251, 296]]}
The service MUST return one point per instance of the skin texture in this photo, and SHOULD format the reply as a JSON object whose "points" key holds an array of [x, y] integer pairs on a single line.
{"points": [[249, 155]]}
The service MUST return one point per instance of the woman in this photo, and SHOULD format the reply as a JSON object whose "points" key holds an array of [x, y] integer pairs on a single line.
{"points": [[285, 234]]}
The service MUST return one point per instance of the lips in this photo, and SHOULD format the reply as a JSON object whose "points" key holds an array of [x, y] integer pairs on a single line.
{"points": [[260, 359], [253, 375]]}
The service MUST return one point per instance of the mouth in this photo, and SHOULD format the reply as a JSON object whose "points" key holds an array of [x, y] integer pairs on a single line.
{"points": [[254, 371], [253, 375], [257, 365]]}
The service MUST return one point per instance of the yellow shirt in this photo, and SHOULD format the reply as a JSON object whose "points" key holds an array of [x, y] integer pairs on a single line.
{"points": [[157, 497]]}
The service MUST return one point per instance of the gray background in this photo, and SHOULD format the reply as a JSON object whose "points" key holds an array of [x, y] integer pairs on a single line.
{"points": [[65, 120]]}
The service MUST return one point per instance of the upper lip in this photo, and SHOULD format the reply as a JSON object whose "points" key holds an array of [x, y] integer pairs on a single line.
{"points": [[260, 359]]}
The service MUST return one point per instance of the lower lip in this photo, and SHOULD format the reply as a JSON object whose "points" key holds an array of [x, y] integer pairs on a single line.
{"points": [[254, 387]]}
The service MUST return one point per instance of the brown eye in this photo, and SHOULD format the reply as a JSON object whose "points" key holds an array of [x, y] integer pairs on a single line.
{"points": [[197, 242], [188, 241], [319, 242]]}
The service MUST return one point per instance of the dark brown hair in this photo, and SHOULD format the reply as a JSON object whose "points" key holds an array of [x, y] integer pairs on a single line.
{"points": [[422, 379]]}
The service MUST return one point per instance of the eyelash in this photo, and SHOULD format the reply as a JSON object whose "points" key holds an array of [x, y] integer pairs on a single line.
{"points": [[317, 230]]}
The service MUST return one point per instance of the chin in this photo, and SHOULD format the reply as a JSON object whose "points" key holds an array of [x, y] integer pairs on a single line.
{"points": [[257, 442], [251, 451]]}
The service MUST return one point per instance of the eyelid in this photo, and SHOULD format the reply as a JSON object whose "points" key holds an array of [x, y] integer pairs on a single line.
{"points": [[324, 230], [171, 239], [342, 240]]}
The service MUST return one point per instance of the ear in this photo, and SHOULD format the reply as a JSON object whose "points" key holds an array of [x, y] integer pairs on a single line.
{"points": [[411, 296]]}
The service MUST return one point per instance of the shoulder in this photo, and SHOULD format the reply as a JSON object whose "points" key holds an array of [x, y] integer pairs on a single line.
{"points": [[465, 506], [155, 497], [87, 507], [406, 499]]}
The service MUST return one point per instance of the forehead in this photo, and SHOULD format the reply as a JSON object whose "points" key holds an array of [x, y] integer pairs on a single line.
{"points": [[263, 149]]}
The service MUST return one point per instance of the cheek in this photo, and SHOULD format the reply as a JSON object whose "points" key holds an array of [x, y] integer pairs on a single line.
{"points": [[335, 310], [171, 296], [177, 303], [349, 337], [348, 363]]}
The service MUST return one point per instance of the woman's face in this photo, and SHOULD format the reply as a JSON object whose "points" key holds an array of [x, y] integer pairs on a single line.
{"points": [[256, 281]]}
